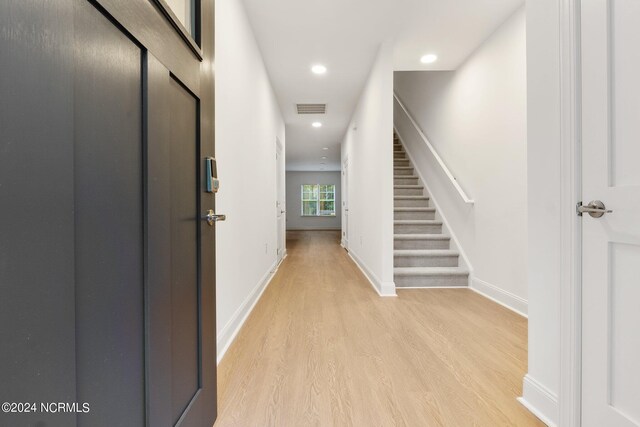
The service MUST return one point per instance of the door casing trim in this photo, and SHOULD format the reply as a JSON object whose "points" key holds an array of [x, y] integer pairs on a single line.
{"points": [[571, 233]]}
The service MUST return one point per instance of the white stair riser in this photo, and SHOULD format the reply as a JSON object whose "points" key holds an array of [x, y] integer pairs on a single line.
{"points": [[417, 228], [411, 203], [399, 215], [405, 181], [397, 171], [425, 261], [421, 244], [408, 191], [430, 281]]}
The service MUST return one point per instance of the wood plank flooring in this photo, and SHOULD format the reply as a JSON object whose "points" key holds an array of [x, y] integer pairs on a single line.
{"points": [[321, 348]]}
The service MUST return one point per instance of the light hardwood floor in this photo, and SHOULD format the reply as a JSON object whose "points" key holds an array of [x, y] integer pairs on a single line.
{"points": [[321, 348]]}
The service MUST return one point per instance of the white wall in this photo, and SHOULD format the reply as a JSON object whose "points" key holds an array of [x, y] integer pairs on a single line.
{"points": [[368, 146], [295, 220], [475, 117], [248, 120], [541, 385]]}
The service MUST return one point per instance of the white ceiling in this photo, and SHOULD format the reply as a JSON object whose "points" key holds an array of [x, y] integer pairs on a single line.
{"points": [[345, 36]]}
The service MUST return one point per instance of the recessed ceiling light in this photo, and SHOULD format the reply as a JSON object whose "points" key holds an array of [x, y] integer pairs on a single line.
{"points": [[323, 163], [428, 59], [323, 157], [325, 148], [316, 124], [319, 69]]}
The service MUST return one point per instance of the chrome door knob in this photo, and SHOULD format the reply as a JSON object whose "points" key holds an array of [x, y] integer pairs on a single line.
{"points": [[595, 208]]}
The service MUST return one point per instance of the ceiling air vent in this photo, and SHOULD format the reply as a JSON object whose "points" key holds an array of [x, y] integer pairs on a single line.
{"points": [[311, 108]]}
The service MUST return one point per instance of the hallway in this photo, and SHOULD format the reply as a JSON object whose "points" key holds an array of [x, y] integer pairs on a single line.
{"points": [[322, 348]]}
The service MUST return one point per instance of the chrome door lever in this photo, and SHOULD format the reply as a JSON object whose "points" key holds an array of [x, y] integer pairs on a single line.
{"points": [[595, 209], [211, 217]]}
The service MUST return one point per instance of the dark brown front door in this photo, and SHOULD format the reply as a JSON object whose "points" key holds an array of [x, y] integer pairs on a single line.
{"points": [[107, 285]]}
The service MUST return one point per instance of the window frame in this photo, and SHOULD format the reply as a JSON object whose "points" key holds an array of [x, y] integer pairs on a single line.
{"points": [[316, 196], [192, 38]]}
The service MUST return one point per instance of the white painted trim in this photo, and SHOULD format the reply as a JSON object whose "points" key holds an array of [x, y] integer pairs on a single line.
{"points": [[444, 167], [540, 401], [408, 288], [452, 235], [506, 299], [314, 229], [281, 178], [229, 332], [344, 219], [570, 386], [279, 263], [384, 289]]}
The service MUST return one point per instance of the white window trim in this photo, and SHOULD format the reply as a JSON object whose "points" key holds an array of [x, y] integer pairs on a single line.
{"points": [[317, 200]]}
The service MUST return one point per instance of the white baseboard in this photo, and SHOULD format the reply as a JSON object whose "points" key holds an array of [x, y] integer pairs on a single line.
{"points": [[384, 289], [502, 297], [539, 401], [277, 264], [233, 326]]}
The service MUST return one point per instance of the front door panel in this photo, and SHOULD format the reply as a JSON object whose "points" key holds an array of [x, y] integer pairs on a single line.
{"points": [[185, 289], [108, 213], [107, 273], [181, 382]]}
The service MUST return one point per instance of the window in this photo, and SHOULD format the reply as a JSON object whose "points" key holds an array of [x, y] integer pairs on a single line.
{"points": [[184, 17], [318, 200], [185, 11]]}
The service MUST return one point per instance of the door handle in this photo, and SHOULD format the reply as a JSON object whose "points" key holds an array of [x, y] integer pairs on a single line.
{"points": [[211, 217], [595, 209], [283, 212]]}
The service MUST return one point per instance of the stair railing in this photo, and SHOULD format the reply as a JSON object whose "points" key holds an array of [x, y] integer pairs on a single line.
{"points": [[444, 167]]}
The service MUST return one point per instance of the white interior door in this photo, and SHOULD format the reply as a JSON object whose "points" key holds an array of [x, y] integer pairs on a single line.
{"points": [[281, 210], [610, 70], [345, 205]]}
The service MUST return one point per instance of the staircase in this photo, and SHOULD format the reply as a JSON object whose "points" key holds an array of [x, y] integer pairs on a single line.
{"points": [[422, 255]]}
